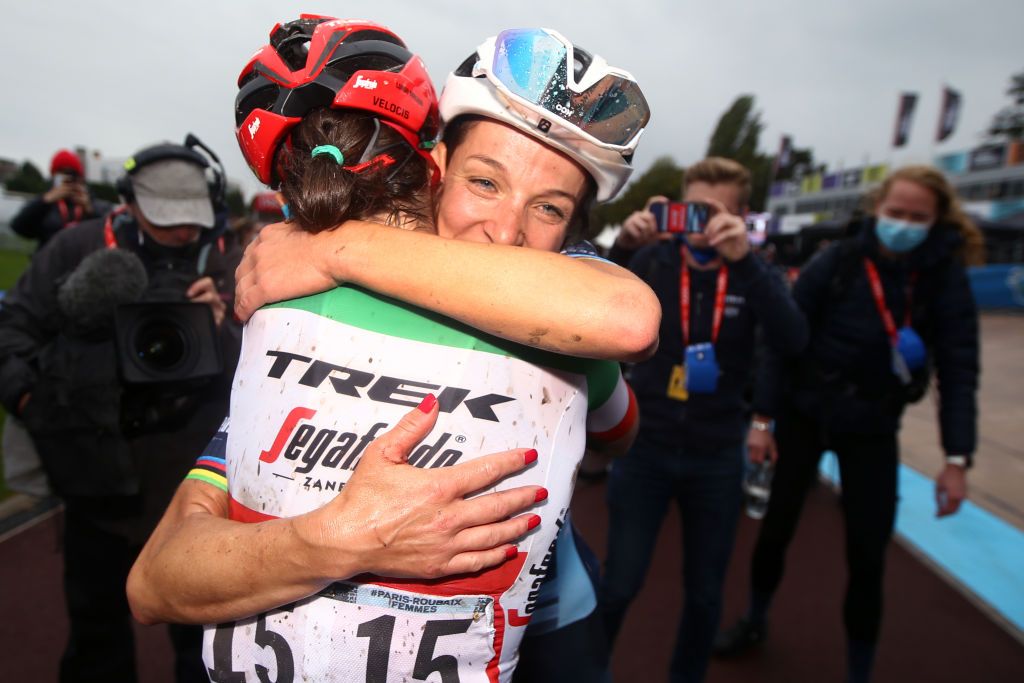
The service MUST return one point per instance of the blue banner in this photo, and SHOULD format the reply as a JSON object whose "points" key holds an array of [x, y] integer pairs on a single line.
{"points": [[998, 286]]}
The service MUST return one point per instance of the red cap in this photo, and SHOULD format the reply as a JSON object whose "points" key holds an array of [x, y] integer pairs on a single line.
{"points": [[66, 160]]}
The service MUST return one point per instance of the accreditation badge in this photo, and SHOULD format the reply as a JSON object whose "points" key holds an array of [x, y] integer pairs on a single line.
{"points": [[912, 348], [702, 369], [677, 384]]}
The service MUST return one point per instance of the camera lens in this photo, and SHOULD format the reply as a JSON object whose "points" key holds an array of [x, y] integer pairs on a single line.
{"points": [[160, 344]]}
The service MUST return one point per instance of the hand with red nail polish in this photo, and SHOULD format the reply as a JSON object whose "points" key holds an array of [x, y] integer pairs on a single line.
{"points": [[398, 520], [391, 519]]}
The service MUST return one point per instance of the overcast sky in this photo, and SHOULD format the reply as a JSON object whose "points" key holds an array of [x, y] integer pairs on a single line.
{"points": [[117, 76]]}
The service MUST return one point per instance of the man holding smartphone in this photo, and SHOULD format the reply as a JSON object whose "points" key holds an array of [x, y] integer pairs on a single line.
{"points": [[67, 202], [715, 295]]}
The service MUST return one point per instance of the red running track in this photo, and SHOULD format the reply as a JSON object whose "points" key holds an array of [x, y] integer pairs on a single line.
{"points": [[931, 633]]}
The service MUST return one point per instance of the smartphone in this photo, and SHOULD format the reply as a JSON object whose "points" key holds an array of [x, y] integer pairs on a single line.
{"points": [[684, 217]]}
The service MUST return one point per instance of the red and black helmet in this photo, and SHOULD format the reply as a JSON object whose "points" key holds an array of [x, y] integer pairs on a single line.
{"points": [[317, 61]]}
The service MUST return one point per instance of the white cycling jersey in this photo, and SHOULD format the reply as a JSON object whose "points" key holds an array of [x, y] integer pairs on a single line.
{"points": [[319, 378]]}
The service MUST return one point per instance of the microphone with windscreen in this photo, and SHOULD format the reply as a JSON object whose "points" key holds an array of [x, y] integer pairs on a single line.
{"points": [[104, 280]]}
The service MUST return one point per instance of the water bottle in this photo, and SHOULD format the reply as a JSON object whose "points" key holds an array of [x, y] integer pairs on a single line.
{"points": [[757, 488]]}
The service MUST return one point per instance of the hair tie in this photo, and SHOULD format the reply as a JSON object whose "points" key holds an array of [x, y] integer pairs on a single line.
{"points": [[331, 150]]}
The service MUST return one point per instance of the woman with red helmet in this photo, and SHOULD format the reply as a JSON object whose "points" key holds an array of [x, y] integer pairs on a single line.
{"points": [[604, 311], [317, 181]]}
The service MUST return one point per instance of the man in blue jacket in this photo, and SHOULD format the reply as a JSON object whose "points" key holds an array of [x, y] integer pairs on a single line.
{"points": [[715, 295]]}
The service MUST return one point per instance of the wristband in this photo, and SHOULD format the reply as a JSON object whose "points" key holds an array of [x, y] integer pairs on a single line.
{"points": [[958, 460], [762, 425]]}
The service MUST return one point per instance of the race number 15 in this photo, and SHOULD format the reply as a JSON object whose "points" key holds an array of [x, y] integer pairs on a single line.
{"points": [[379, 632]]}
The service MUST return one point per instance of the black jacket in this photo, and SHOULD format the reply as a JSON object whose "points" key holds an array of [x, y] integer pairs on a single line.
{"points": [[845, 379], [40, 220], [756, 297], [74, 412]]}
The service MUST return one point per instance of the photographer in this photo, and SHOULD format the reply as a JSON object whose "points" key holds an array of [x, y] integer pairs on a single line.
{"points": [[94, 340], [67, 203], [714, 294]]}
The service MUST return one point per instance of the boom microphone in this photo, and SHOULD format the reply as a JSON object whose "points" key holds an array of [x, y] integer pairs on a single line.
{"points": [[103, 281]]}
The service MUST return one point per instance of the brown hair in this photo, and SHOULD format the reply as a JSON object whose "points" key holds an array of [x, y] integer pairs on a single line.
{"points": [[720, 171], [321, 193], [454, 134], [972, 251]]}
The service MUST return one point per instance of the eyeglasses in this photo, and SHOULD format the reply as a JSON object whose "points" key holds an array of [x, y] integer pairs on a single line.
{"points": [[533, 66]]}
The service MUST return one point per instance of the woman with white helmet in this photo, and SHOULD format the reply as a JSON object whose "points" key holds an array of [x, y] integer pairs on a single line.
{"points": [[478, 171], [518, 79]]}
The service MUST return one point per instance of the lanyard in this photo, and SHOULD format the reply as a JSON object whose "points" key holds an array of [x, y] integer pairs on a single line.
{"points": [[109, 238], [684, 299], [62, 206], [879, 294]]}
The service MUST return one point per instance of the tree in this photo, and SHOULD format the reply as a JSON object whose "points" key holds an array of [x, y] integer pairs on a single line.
{"points": [[738, 132], [664, 177], [1008, 122], [235, 201], [104, 191], [736, 137], [27, 179]]}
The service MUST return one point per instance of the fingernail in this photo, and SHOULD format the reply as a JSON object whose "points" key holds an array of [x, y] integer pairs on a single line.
{"points": [[530, 456], [427, 404], [542, 494], [511, 553], [534, 522]]}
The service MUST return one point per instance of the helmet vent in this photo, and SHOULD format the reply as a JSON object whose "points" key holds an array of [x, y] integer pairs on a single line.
{"points": [[292, 41], [260, 97], [344, 67], [373, 35], [466, 68]]}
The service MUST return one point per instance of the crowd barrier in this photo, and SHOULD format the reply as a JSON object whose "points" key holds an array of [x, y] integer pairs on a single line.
{"points": [[998, 286]]}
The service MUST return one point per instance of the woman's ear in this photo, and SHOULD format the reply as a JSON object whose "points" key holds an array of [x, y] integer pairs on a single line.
{"points": [[440, 156]]}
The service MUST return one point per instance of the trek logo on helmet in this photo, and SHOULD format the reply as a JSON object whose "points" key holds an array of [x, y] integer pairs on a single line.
{"points": [[253, 127]]}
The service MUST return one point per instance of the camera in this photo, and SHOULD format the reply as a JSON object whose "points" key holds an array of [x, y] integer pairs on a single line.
{"points": [[682, 217], [164, 338], [166, 343]]}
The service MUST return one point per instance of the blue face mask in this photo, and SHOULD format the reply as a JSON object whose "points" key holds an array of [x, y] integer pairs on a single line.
{"points": [[702, 255], [900, 236]]}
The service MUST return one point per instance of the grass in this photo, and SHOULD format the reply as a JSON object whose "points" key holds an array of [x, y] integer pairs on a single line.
{"points": [[12, 263]]}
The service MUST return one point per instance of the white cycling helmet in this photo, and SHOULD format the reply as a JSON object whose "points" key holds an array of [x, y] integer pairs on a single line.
{"points": [[593, 112]]}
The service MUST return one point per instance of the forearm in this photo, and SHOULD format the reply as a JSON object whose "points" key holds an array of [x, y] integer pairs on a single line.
{"points": [[957, 363], [200, 567], [571, 306], [768, 389], [26, 222], [21, 338], [621, 255], [617, 447]]}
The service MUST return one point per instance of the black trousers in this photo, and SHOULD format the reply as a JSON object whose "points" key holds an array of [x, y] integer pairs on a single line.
{"points": [[868, 472], [101, 645]]}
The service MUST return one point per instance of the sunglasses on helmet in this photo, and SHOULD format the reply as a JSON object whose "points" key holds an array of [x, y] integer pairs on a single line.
{"points": [[539, 68]]}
